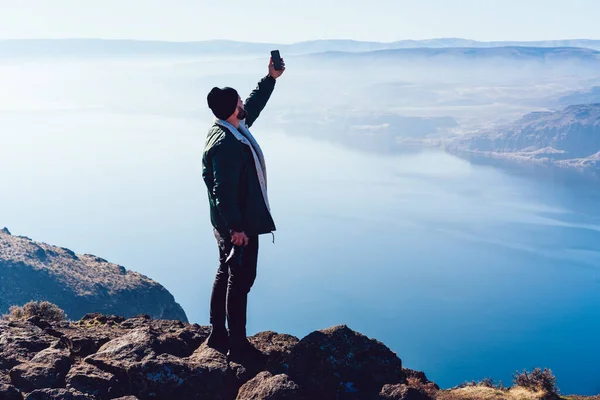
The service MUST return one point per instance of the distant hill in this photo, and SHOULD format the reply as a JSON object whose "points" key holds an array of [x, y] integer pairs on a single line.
{"points": [[79, 284], [569, 138], [543, 54], [101, 47]]}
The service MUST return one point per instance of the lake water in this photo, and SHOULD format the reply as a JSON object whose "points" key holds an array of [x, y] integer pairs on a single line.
{"points": [[466, 271]]}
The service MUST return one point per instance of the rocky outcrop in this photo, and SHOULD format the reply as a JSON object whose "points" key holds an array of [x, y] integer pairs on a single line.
{"points": [[79, 284], [340, 361], [102, 357]]}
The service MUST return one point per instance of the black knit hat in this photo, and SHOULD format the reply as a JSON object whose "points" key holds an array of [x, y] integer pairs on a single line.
{"points": [[223, 102]]}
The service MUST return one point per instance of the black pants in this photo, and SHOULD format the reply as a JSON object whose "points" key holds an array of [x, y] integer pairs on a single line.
{"points": [[232, 284]]}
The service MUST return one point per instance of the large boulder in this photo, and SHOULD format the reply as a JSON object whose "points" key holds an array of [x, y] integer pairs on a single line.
{"points": [[135, 361], [204, 375], [46, 369], [88, 379], [341, 363], [119, 355], [277, 347], [266, 386], [179, 340], [20, 341]]}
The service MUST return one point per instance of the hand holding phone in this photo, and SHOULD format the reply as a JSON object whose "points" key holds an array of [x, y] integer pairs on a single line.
{"points": [[276, 64], [277, 60]]}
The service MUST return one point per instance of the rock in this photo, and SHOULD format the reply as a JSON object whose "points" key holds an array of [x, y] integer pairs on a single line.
{"points": [[133, 360], [218, 369], [139, 321], [120, 354], [205, 376], [39, 322], [181, 341], [266, 386], [141, 358], [402, 392], [86, 341], [47, 369], [416, 376], [57, 394], [277, 347], [340, 363], [87, 379], [419, 381], [20, 341], [127, 398], [77, 283], [9, 392]]}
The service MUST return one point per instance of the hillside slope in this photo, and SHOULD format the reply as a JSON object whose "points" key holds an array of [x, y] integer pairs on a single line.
{"points": [[79, 284]]}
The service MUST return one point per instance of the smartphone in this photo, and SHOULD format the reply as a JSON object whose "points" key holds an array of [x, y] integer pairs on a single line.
{"points": [[235, 256], [276, 60]]}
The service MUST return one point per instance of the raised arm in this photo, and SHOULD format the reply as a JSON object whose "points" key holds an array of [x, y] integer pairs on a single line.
{"points": [[257, 100]]}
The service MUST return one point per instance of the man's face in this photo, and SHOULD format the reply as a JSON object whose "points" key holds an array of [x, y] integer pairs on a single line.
{"points": [[241, 111]]}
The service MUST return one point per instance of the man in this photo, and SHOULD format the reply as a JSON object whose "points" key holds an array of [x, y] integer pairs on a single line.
{"points": [[236, 178]]}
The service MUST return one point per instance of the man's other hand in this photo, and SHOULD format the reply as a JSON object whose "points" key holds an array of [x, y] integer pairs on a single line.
{"points": [[273, 72], [239, 238]]}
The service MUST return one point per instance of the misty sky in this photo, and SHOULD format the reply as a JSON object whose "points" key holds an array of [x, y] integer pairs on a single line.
{"points": [[298, 20]]}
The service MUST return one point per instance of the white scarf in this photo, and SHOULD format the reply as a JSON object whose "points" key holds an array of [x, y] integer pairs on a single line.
{"points": [[259, 159]]}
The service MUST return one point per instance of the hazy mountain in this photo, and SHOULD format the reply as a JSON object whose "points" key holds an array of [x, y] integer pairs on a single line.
{"points": [[514, 53], [584, 43], [570, 137], [101, 47], [31, 271]]}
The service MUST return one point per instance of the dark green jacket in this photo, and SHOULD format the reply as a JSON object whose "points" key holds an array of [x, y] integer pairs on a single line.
{"points": [[229, 172]]}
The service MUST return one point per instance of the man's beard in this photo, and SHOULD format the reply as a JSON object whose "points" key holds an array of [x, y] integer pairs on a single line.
{"points": [[242, 114]]}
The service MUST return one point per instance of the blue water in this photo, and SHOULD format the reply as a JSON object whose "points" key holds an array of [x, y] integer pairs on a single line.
{"points": [[466, 271]]}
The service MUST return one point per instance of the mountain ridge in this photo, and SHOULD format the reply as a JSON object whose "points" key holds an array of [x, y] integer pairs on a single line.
{"points": [[54, 47], [568, 138]]}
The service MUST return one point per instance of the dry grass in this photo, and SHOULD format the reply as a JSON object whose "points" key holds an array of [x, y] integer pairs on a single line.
{"points": [[486, 393], [581, 397]]}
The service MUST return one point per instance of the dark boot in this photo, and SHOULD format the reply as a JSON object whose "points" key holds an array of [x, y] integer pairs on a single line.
{"points": [[218, 339], [243, 352]]}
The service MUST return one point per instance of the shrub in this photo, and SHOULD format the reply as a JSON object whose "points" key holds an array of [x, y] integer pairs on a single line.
{"points": [[537, 379], [44, 310], [485, 382], [488, 382]]}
